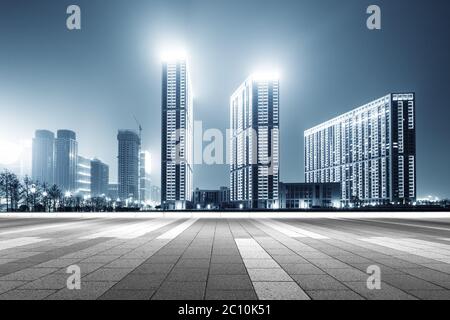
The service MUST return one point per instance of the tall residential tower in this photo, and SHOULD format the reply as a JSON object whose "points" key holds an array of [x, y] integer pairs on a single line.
{"points": [[254, 120], [371, 150], [177, 135], [128, 169]]}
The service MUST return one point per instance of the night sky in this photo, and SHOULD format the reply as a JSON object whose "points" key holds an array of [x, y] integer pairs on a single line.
{"points": [[94, 80]]}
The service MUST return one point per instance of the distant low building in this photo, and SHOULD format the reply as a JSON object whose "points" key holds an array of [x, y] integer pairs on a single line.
{"points": [[206, 199], [211, 199], [310, 195]]}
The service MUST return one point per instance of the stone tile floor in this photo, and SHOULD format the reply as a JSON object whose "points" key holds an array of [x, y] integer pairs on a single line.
{"points": [[214, 259]]}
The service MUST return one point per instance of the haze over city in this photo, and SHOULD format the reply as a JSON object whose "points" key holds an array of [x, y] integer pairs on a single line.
{"points": [[94, 80]]}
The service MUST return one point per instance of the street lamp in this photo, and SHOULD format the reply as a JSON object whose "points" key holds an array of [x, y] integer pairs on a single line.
{"points": [[33, 193], [45, 194]]}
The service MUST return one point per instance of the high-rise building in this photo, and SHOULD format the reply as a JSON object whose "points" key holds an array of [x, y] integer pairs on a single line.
{"points": [[66, 157], [371, 150], [254, 120], [177, 135], [83, 176], [43, 157], [99, 178], [155, 196], [113, 191], [128, 169], [144, 176]]}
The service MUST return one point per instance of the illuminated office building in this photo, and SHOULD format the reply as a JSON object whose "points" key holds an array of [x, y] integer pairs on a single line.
{"points": [[177, 135], [254, 120], [371, 150], [66, 158]]}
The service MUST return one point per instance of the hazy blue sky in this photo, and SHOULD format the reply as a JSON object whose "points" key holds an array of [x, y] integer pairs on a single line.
{"points": [[94, 80]]}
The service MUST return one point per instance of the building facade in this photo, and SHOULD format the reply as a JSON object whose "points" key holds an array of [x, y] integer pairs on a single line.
{"points": [[155, 196], [254, 120], [83, 176], [43, 157], [224, 197], [113, 191], [310, 195], [176, 136], [99, 178], [206, 199], [128, 164], [371, 150], [66, 157], [144, 176], [211, 199]]}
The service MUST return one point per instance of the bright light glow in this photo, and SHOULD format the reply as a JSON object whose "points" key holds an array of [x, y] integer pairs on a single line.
{"points": [[264, 75], [174, 55], [148, 162], [9, 152]]}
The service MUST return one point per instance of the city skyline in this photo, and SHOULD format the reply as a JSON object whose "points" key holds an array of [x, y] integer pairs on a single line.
{"points": [[302, 107]]}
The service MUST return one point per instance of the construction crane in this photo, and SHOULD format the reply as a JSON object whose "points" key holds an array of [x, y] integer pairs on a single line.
{"points": [[140, 128]]}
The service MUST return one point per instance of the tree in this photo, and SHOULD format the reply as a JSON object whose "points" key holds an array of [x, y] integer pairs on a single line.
{"points": [[26, 191], [10, 189], [55, 195], [4, 188], [15, 191]]}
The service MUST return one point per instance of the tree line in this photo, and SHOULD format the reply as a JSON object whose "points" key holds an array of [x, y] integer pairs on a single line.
{"points": [[27, 195]]}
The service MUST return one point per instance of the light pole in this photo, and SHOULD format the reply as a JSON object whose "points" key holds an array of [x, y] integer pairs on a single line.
{"points": [[45, 194], [33, 193]]}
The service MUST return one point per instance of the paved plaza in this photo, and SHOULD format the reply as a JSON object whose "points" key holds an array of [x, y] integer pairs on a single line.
{"points": [[224, 258]]}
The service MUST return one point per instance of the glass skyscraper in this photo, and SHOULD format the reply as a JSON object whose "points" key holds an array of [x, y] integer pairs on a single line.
{"points": [[83, 176], [254, 120], [43, 158], [66, 158], [99, 178], [371, 150], [177, 135]]}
